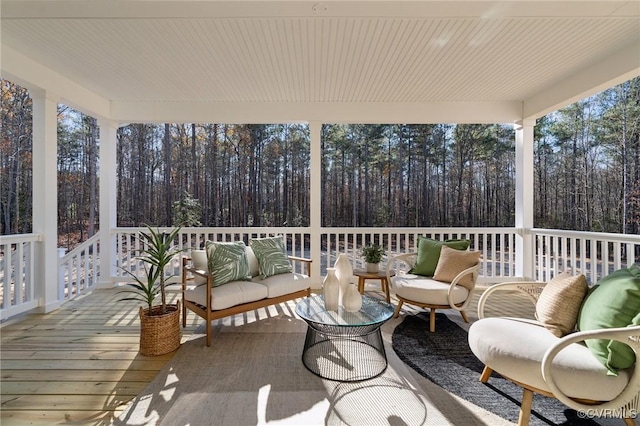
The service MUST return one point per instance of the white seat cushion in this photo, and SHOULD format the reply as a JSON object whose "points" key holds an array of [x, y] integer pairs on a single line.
{"points": [[227, 295], [199, 261], [514, 347], [254, 267], [281, 284], [426, 290]]}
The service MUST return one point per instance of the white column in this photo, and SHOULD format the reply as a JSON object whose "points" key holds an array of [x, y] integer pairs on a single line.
{"points": [[315, 204], [108, 199], [45, 197], [524, 199]]}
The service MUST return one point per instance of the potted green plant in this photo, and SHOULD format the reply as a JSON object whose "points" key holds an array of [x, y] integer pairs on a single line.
{"points": [[159, 324], [372, 255]]}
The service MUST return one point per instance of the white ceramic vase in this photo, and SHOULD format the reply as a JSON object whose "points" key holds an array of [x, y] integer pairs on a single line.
{"points": [[331, 290], [372, 268], [352, 300], [344, 272]]}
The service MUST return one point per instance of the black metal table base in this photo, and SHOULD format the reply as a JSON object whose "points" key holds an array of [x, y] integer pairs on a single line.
{"points": [[350, 354]]}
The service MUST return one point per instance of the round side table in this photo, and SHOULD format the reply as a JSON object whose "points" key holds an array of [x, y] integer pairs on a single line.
{"points": [[363, 275]]}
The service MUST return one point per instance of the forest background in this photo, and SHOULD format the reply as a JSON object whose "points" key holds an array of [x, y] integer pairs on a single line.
{"points": [[587, 171]]}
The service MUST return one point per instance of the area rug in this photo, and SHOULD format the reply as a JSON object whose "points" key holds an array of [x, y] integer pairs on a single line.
{"points": [[444, 357], [253, 375]]}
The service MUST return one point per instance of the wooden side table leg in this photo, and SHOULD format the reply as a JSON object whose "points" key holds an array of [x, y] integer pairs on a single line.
{"points": [[385, 288], [361, 285]]}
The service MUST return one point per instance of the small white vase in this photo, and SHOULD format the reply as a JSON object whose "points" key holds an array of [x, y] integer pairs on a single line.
{"points": [[344, 272], [352, 300], [331, 290]]}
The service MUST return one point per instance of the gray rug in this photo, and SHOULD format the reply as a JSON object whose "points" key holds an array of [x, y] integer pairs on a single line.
{"points": [[253, 375], [445, 358]]}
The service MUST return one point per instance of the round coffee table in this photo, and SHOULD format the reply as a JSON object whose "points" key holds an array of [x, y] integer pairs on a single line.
{"points": [[344, 346]]}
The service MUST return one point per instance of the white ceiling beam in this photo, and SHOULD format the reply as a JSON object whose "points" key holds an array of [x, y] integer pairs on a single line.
{"points": [[616, 68], [326, 112], [34, 76], [132, 9]]}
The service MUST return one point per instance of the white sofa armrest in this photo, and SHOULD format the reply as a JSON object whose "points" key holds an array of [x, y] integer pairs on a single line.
{"points": [[628, 401], [530, 288]]}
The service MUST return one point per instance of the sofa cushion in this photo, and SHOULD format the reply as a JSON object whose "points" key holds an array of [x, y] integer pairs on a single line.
{"points": [[227, 261], [429, 254], [228, 295], [559, 303], [199, 262], [427, 290], [252, 260], [614, 302], [452, 262], [272, 256], [514, 348], [281, 284]]}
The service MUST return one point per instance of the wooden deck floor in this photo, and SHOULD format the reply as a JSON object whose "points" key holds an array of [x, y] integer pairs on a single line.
{"points": [[77, 365], [80, 364]]}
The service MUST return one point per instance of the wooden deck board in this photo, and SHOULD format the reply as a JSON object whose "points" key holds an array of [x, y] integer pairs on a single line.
{"points": [[78, 365]]}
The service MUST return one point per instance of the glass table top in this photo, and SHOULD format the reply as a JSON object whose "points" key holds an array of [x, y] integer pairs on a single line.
{"points": [[373, 311]]}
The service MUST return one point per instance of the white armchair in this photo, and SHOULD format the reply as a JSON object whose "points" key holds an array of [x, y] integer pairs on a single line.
{"points": [[523, 351], [427, 292]]}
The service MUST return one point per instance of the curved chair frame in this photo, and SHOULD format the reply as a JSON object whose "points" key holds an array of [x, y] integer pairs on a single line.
{"points": [[409, 260], [626, 405]]}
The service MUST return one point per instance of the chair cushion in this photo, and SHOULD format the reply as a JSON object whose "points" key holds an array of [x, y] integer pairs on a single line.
{"points": [[199, 261], [228, 295], [252, 260], [429, 254], [452, 262], [614, 302], [272, 256], [559, 303], [281, 284], [514, 347], [426, 290], [227, 262]]}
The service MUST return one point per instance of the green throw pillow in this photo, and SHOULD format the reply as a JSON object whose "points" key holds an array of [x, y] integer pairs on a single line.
{"points": [[272, 256], [227, 262], [613, 302], [429, 254]]}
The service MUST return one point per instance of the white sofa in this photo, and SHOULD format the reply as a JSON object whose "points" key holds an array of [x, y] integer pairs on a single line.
{"points": [[212, 302], [525, 352]]}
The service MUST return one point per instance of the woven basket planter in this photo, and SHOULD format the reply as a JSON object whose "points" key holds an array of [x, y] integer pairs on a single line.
{"points": [[159, 334]]}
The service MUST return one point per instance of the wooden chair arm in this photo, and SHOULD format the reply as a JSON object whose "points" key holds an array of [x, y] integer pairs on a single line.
{"points": [[304, 260], [188, 268], [628, 399], [531, 288]]}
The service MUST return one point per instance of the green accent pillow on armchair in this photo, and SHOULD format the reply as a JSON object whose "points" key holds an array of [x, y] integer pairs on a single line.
{"points": [[429, 254], [613, 302]]}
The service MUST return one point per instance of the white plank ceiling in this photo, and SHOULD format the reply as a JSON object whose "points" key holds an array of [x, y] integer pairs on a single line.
{"points": [[339, 61]]}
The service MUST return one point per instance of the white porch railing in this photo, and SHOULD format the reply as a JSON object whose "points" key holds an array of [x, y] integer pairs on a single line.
{"points": [[496, 244], [79, 269], [594, 254], [17, 263]]}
